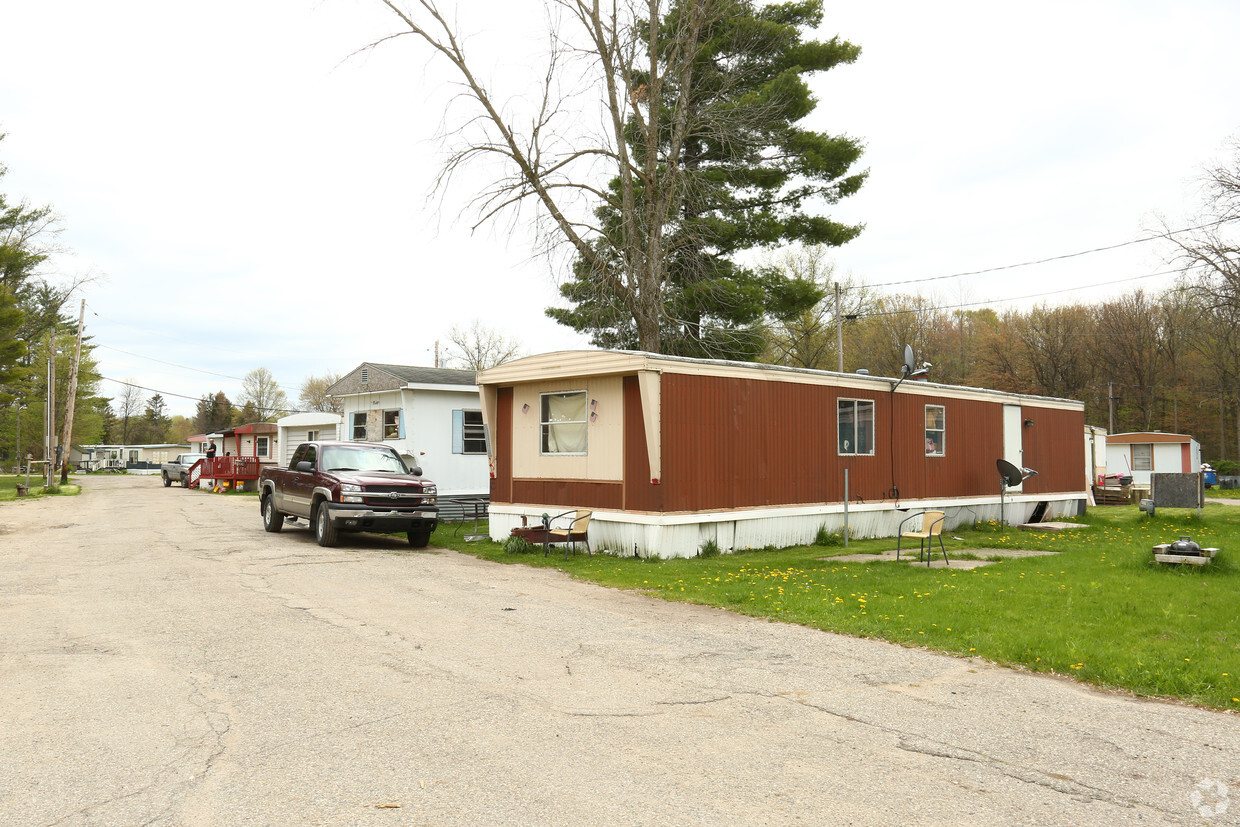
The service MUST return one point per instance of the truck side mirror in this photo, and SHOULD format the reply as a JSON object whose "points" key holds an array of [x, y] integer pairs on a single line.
{"points": [[305, 466], [416, 470]]}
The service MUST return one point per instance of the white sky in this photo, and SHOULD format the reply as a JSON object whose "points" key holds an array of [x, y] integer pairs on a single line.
{"points": [[249, 195]]}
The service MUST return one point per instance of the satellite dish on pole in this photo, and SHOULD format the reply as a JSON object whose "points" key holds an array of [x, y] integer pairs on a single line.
{"points": [[1010, 476], [909, 364]]}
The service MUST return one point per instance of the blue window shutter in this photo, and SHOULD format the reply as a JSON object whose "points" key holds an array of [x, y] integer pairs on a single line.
{"points": [[400, 424], [458, 432]]}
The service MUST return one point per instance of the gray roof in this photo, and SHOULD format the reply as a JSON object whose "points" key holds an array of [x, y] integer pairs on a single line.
{"points": [[428, 376]]}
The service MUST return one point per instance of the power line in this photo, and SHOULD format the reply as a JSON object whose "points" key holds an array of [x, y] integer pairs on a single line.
{"points": [[1051, 258], [171, 364]]}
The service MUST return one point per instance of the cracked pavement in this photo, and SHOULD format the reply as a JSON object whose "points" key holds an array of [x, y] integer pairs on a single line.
{"points": [[167, 662]]}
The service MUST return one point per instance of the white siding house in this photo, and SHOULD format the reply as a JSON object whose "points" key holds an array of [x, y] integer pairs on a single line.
{"points": [[432, 416], [1140, 454]]}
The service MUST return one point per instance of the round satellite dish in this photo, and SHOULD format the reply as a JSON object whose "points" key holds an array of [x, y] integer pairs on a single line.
{"points": [[1012, 475], [909, 367]]}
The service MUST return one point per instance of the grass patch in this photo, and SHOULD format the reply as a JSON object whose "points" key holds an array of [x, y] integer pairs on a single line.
{"points": [[8, 488], [1100, 611]]}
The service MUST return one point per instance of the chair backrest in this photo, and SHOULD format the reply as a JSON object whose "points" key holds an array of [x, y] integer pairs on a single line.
{"points": [[582, 521], [932, 521]]}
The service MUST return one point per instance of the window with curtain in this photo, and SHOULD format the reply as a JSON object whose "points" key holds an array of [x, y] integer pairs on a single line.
{"points": [[855, 422], [359, 425], [391, 424], [1143, 457], [936, 430], [564, 424]]}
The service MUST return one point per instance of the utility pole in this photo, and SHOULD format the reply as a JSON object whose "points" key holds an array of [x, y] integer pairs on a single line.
{"points": [[66, 433], [436, 353], [839, 329], [49, 424]]}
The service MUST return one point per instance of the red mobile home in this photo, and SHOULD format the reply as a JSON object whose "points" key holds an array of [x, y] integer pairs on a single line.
{"points": [[670, 453]]}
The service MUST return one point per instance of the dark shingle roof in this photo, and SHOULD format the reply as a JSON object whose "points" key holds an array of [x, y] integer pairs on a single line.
{"points": [[428, 376]]}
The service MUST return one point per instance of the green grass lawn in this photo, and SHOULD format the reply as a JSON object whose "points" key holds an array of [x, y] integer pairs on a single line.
{"points": [[8, 488], [1100, 611]]}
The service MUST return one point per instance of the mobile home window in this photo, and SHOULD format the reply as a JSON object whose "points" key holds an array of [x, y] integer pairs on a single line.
{"points": [[1143, 457], [391, 424], [856, 426], [936, 430], [312, 436], [262, 446], [469, 435], [359, 425], [563, 422]]}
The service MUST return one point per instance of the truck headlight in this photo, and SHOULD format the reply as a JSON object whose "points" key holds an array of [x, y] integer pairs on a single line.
{"points": [[350, 493], [428, 494]]}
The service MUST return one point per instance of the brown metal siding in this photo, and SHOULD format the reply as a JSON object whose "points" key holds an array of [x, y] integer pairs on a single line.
{"points": [[569, 493], [501, 483], [1054, 447], [730, 443]]}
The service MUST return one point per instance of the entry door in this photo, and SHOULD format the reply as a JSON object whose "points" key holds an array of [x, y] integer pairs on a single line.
{"points": [[1013, 439]]}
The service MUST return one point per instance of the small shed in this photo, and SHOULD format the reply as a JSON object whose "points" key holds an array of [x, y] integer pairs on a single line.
{"points": [[305, 427], [671, 453], [1143, 453]]}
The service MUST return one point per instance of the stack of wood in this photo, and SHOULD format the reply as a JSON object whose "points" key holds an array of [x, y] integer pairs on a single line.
{"points": [[1112, 495]]}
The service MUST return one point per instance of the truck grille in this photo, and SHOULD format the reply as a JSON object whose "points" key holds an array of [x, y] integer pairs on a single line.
{"points": [[395, 495]]}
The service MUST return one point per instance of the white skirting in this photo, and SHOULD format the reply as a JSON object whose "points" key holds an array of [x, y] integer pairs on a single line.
{"points": [[684, 534]]}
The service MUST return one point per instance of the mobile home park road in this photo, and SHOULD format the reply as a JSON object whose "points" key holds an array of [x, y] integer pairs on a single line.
{"points": [[166, 662]]}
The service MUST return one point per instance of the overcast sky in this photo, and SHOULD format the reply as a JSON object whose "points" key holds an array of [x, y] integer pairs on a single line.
{"points": [[248, 192]]}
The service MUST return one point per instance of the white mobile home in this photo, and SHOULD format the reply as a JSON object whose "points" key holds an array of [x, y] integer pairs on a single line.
{"points": [[1138, 455], [432, 416]]}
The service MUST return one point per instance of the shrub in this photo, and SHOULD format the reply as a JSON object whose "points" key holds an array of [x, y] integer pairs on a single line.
{"points": [[519, 545], [826, 538], [1227, 467]]}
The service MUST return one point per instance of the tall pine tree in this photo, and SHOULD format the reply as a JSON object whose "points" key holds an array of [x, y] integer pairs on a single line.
{"points": [[749, 176]]}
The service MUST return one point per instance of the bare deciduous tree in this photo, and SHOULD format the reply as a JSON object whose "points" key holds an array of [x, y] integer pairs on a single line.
{"points": [[129, 406], [263, 395], [313, 395], [479, 347]]}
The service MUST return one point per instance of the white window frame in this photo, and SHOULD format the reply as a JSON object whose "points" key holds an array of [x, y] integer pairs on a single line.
{"points": [[545, 425], [262, 446], [358, 417], [941, 431], [857, 406], [1145, 463], [395, 426], [312, 436]]}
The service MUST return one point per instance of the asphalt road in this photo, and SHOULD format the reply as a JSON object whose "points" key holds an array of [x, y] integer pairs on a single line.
{"points": [[166, 662]]}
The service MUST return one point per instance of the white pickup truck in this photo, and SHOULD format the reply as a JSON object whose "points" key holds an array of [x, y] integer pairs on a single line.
{"points": [[178, 469]]}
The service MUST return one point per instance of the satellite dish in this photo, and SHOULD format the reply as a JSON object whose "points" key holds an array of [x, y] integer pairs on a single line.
{"points": [[909, 366], [1012, 475]]}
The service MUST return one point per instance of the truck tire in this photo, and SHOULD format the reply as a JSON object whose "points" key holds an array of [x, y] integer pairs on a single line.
{"points": [[273, 520], [167, 482], [324, 532], [420, 537]]}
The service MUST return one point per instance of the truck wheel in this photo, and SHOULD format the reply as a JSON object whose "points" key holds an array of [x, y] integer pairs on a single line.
{"points": [[420, 537], [324, 532], [273, 520], [167, 482]]}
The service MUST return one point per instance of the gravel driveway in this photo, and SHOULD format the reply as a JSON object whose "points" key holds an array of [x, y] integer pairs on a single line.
{"points": [[166, 662]]}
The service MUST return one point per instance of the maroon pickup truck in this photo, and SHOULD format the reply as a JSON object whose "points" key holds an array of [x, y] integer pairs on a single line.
{"points": [[349, 486]]}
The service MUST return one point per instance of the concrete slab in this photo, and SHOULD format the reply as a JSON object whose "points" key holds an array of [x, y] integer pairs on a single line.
{"points": [[953, 554], [1051, 526]]}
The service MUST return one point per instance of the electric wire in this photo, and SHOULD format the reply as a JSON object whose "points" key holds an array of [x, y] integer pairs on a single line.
{"points": [[1165, 235]]}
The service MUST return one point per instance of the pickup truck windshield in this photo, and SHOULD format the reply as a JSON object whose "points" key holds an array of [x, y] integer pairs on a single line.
{"points": [[344, 458]]}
